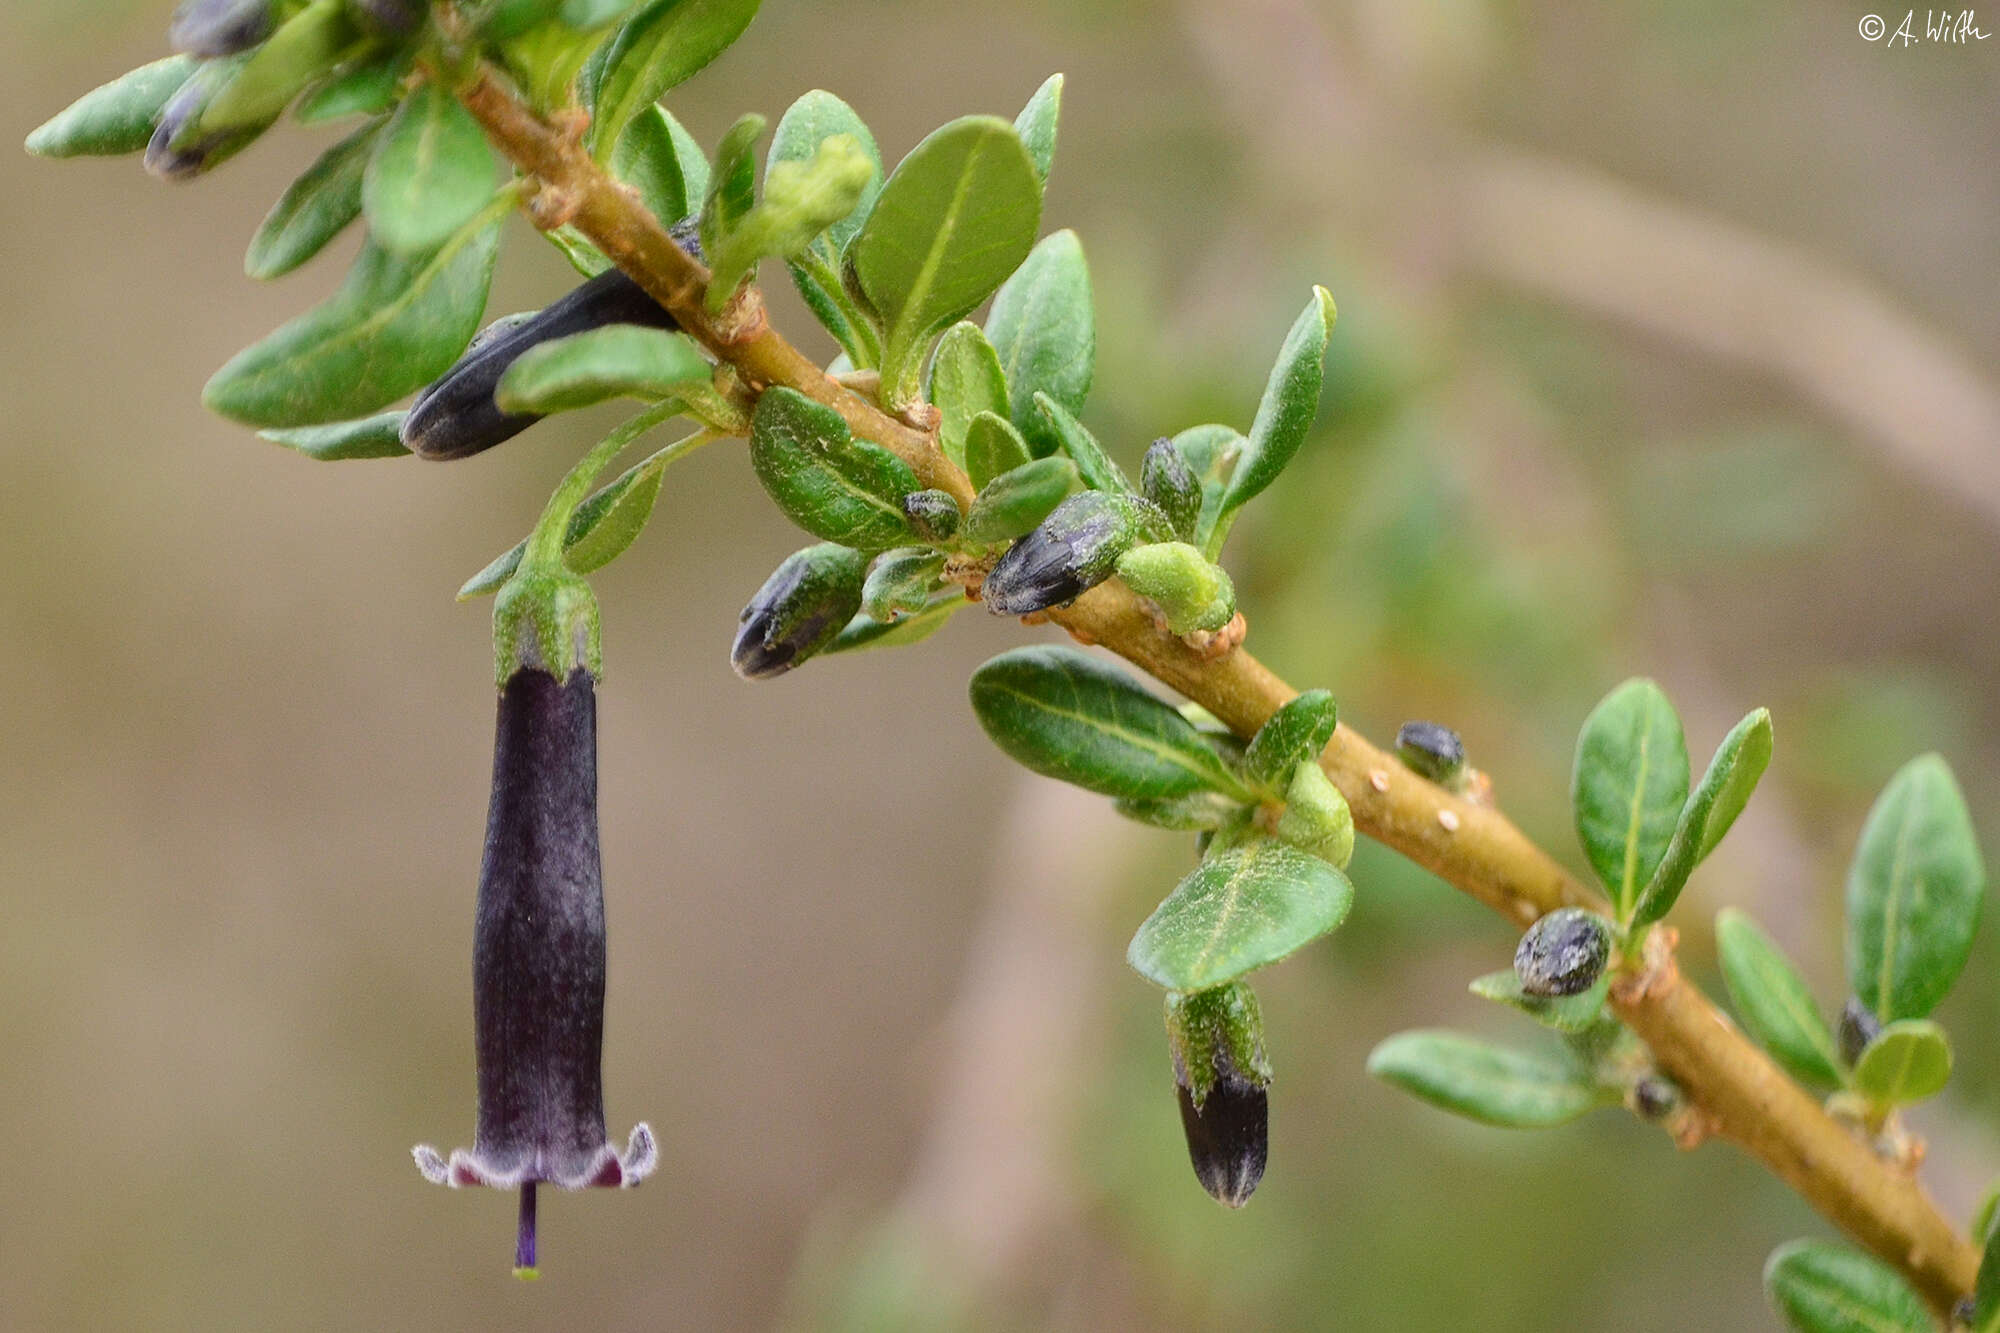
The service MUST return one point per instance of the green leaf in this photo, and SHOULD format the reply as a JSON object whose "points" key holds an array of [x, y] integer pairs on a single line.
{"points": [[1563, 1013], [1014, 503], [1725, 789], [1914, 892], [801, 201], [1198, 812], [955, 218], [1211, 452], [1297, 732], [993, 448], [1908, 1061], [395, 325], [1237, 911], [431, 173], [1630, 781], [901, 583], [316, 208], [1491, 1084], [810, 121], [586, 15], [1067, 716], [600, 530], [834, 486], [614, 361], [309, 44], [966, 380], [1037, 125], [1772, 1001], [371, 437], [1099, 473], [1822, 1288], [366, 87], [1291, 401], [1044, 329], [1986, 1295], [662, 45], [732, 186], [114, 119], [866, 632], [659, 159]]}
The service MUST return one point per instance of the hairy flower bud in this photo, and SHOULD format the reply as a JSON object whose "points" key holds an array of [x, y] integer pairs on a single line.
{"points": [[1216, 1038], [1075, 549], [538, 963], [934, 515], [1433, 751], [805, 603], [1858, 1027], [1168, 481], [219, 27], [1563, 953], [1192, 592]]}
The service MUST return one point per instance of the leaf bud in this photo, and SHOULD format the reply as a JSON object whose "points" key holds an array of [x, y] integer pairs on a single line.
{"points": [[1216, 1038], [933, 514], [1317, 818], [1166, 479], [1655, 1097], [219, 27], [805, 603], [1014, 503], [1190, 590], [1858, 1028], [900, 584], [1073, 550], [1563, 953], [1432, 751]]}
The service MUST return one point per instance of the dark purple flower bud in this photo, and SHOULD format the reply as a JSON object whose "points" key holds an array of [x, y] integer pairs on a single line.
{"points": [[1563, 953], [456, 416], [1432, 751], [1221, 1073], [538, 963], [1168, 481], [177, 150], [1075, 549], [801, 608], [1857, 1028], [219, 27], [934, 515]]}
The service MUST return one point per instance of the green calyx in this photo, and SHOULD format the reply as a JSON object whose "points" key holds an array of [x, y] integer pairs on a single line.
{"points": [[1193, 593], [1211, 1031], [1317, 818]]}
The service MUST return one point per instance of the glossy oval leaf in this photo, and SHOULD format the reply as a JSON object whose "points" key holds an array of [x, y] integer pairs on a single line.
{"points": [[114, 119], [1914, 893], [367, 87], [317, 207], [1298, 731], [1044, 329], [834, 486], [1772, 1001], [966, 380], [1628, 787], [1014, 503], [663, 44], [1037, 125], [1291, 401], [1494, 1085], [1908, 1061], [993, 448], [430, 174], [1092, 463], [956, 217], [617, 360], [379, 436], [1709, 811], [1237, 911], [653, 158], [1818, 1287], [395, 325], [1065, 715]]}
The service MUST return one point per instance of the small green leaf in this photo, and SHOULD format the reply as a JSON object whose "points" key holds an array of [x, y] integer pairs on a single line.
{"points": [[395, 325], [993, 448], [1563, 1013], [1908, 1061], [371, 437], [732, 185], [662, 45], [1044, 329], [316, 208], [1198, 812], [1822, 1288], [802, 199], [1725, 789], [1491, 1084], [901, 583], [1630, 781], [657, 158], [1297, 732], [1014, 503], [1237, 911], [114, 119], [1037, 125], [954, 219], [1211, 452], [309, 44], [966, 380], [1067, 716], [1099, 473], [809, 122], [367, 87], [1914, 892], [866, 632], [1772, 1001], [1986, 1294], [1291, 401], [834, 486], [1317, 818], [431, 173], [617, 360], [600, 530]]}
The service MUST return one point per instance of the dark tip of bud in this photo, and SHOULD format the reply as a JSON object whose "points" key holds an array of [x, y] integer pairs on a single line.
{"points": [[1656, 1097], [1433, 751], [800, 609], [1228, 1137], [1858, 1027], [219, 27], [1168, 481], [934, 514], [1563, 953], [171, 160], [1075, 549]]}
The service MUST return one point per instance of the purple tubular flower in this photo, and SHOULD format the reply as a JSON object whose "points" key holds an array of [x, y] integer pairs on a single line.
{"points": [[538, 963], [219, 27]]}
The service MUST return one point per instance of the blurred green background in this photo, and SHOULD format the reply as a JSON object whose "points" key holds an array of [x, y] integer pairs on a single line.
{"points": [[1667, 344]]}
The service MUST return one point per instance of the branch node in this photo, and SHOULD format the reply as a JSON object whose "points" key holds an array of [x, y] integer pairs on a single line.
{"points": [[1214, 645], [554, 206]]}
